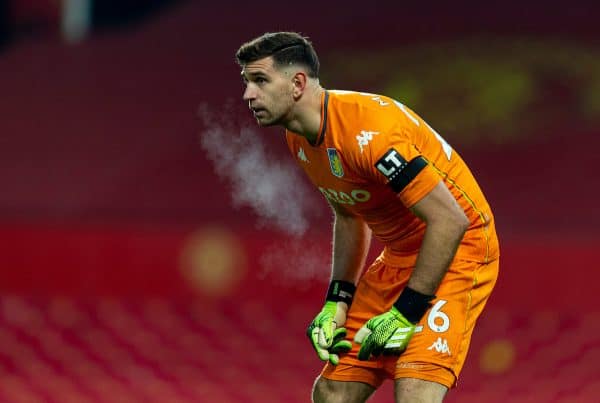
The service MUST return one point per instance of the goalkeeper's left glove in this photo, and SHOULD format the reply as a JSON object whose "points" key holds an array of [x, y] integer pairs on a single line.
{"points": [[390, 332]]}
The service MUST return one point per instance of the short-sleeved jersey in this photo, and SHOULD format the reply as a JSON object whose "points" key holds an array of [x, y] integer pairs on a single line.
{"points": [[377, 158]]}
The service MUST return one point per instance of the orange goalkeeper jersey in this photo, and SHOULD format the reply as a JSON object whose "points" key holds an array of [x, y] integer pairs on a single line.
{"points": [[377, 158]]}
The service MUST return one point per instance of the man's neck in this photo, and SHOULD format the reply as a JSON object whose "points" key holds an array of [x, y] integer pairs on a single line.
{"points": [[307, 119]]}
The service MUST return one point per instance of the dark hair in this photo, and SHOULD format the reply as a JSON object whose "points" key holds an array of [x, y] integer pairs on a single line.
{"points": [[285, 47]]}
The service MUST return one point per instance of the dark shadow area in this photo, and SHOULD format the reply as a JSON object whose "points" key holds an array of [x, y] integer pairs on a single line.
{"points": [[126, 13], [5, 24]]}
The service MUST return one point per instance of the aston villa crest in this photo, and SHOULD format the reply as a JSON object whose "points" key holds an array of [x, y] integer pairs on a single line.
{"points": [[335, 162]]}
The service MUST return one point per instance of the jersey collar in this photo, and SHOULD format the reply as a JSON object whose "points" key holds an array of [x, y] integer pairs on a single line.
{"points": [[323, 125]]}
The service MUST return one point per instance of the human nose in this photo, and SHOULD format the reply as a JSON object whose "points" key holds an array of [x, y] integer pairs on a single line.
{"points": [[249, 93]]}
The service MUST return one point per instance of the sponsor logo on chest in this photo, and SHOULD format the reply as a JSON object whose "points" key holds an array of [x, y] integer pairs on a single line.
{"points": [[351, 197]]}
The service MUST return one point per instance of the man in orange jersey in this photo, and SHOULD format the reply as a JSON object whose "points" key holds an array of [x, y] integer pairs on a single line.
{"points": [[385, 172]]}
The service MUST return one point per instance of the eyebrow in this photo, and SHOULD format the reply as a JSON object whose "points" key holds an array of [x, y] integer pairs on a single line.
{"points": [[251, 74]]}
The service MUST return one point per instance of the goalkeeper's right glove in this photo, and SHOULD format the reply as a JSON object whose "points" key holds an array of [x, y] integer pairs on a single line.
{"points": [[326, 332], [390, 332]]}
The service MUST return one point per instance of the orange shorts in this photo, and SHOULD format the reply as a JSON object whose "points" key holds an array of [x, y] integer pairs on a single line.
{"points": [[438, 349]]}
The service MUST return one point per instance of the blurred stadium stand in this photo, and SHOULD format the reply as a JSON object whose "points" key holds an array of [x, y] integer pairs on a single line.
{"points": [[127, 276]]}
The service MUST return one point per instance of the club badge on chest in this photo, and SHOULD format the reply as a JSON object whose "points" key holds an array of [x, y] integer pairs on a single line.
{"points": [[335, 162]]}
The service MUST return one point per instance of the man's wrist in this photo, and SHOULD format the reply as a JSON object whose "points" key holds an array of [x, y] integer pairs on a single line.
{"points": [[412, 304], [341, 291]]}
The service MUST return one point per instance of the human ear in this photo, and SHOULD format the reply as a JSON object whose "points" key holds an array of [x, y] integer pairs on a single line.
{"points": [[299, 82]]}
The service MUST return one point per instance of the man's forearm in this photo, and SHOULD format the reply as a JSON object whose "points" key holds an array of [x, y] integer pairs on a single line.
{"points": [[437, 251], [351, 240]]}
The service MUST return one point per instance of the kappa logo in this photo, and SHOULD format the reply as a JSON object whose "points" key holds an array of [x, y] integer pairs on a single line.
{"points": [[335, 162], [364, 137], [441, 346], [302, 155]]}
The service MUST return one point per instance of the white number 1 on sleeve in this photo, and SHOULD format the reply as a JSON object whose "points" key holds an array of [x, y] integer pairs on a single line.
{"points": [[445, 146]]}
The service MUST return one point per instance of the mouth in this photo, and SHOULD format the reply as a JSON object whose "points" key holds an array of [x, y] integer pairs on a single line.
{"points": [[258, 111]]}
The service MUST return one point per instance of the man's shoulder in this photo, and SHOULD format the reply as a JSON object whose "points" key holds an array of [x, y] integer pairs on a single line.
{"points": [[360, 108], [359, 118], [366, 99]]}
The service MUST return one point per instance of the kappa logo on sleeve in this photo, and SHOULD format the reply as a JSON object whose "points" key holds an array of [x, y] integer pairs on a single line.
{"points": [[391, 164]]}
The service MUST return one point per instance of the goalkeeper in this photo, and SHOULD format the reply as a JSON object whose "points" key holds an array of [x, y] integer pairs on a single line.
{"points": [[410, 314]]}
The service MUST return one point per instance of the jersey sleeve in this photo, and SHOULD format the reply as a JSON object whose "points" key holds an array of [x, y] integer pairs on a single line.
{"points": [[390, 157]]}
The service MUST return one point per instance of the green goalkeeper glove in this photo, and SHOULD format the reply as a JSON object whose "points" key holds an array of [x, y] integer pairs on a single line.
{"points": [[390, 332], [326, 332]]}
